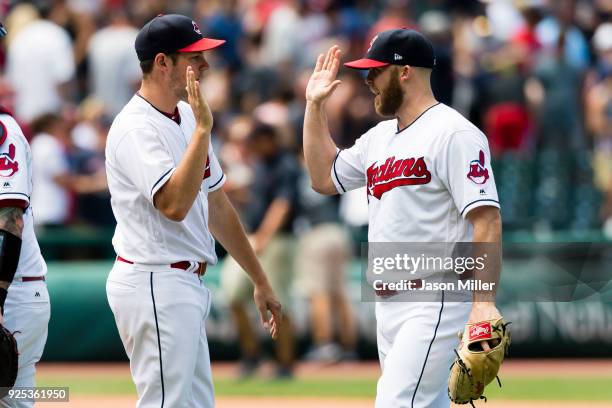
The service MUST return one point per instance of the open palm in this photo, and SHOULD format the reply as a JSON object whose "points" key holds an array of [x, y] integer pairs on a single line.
{"points": [[323, 80], [199, 105]]}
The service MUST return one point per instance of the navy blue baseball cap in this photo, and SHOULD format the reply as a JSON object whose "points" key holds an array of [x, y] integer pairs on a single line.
{"points": [[168, 33], [399, 46]]}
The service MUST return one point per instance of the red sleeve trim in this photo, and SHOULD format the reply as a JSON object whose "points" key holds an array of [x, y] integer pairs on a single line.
{"points": [[11, 202]]}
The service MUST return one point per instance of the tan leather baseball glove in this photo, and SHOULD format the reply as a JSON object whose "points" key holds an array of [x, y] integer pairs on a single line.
{"points": [[474, 368]]}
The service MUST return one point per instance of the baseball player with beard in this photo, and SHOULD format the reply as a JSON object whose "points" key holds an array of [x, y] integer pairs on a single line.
{"points": [[165, 184], [428, 177]]}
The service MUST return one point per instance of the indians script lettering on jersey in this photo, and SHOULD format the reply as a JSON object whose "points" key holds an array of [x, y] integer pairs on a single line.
{"points": [[207, 169], [395, 173]]}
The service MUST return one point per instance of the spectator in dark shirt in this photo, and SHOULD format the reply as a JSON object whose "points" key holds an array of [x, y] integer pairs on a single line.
{"points": [[558, 109], [321, 264], [268, 217]]}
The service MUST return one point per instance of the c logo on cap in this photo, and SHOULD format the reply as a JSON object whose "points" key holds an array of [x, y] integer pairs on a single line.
{"points": [[196, 28]]}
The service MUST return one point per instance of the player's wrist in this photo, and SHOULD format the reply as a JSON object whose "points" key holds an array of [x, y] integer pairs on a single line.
{"points": [[316, 103], [483, 304], [483, 298], [483, 311], [202, 131], [260, 281]]}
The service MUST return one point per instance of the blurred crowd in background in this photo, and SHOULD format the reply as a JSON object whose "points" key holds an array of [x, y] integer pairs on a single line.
{"points": [[534, 75]]}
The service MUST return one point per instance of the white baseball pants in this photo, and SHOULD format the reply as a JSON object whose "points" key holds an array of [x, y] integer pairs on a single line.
{"points": [[160, 314], [26, 313], [415, 348]]}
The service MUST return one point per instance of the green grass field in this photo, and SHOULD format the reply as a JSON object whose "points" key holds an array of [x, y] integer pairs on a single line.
{"points": [[542, 389]]}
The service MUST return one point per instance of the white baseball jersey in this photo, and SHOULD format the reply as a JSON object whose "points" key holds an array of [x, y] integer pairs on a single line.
{"points": [[421, 180], [15, 191], [143, 149]]}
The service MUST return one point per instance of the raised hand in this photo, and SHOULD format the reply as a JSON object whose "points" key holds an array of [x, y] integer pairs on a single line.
{"points": [[201, 110], [323, 80]]}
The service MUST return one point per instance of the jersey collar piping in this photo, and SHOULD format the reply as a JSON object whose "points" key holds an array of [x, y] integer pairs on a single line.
{"points": [[175, 117], [415, 119]]}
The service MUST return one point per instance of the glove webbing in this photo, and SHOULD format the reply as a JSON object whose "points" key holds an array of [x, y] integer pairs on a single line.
{"points": [[465, 369]]}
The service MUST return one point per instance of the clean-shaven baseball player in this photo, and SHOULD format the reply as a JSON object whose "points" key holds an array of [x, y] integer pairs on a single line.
{"points": [[165, 184], [428, 178], [24, 300]]}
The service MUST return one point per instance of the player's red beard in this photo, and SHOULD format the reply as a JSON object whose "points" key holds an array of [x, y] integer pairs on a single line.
{"points": [[389, 100]]}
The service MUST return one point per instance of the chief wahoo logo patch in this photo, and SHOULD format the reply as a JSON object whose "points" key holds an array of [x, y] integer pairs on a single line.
{"points": [[478, 172], [8, 164]]}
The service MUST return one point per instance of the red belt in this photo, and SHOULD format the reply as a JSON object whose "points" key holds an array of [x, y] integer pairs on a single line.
{"points": [[32, 278], [184, 265]]}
